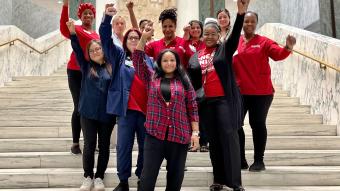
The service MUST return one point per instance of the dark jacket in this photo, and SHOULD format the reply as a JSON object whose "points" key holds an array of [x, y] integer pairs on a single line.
{"points": [[93, 92], [223, 65], [123, 74]]}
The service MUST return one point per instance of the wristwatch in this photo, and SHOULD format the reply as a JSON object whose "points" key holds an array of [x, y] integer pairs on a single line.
{"points": [[196, 133]]}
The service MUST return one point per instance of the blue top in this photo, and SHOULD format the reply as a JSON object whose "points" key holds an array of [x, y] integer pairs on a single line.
{"points": [[93, 92], [122, 70]]}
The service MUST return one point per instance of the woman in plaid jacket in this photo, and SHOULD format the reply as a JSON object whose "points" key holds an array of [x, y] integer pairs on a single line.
{"points": [[171, 119]]}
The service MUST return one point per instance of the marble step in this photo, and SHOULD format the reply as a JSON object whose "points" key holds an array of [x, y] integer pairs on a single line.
{"points": [[195, 176], [248, 188], [18, 160], [62, 102], [56, 111], [273, 143], [65, 131], [64, 121]]}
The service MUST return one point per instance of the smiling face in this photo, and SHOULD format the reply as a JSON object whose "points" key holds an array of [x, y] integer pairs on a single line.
{"points": [[249, 24], [195, 30], [168, 28], [95, 52], [168, 63], [118, 25], [223, 19], [132, 41], [210, 36], [87, 17]]}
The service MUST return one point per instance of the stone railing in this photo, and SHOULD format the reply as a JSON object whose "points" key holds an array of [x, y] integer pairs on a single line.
{"points": [[305, 78], [21, 55]]}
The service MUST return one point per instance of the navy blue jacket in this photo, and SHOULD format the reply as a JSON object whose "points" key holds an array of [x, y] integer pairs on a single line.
{"points": [[93, 92], [122, 71]]}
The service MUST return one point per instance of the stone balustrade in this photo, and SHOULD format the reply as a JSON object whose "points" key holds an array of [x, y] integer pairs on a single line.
{"points": [[302, 76], [20, 60]]}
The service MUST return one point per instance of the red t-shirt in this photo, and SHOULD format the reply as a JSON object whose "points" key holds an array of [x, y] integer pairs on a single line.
{"points": [[138, 96], [83, 35], [251, 64], [178, 44], [212, 86]]}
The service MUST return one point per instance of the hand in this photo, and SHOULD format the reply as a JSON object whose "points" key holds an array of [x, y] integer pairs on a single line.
{"points": [[70, 26], [65, 2], [186, 28], [290, 42], [195, 142], [110, 9], [242, 6], [148, 31], [129, 4]]}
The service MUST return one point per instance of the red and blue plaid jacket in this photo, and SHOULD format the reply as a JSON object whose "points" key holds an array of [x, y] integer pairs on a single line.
{"points": [[177, 116]]}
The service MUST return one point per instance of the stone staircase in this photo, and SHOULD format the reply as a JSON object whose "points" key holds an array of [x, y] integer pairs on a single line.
{"points": [[35, 137]]}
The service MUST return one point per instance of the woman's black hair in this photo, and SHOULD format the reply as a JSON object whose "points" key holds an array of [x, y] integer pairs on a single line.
{"points": [[179, 71], [142, 21], [254, 13], [168, 14], [199, 23]]}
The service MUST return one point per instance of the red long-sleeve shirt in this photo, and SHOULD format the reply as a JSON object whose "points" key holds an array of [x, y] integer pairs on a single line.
{"points": [[251, 64], [83, 35], [178, 44]]}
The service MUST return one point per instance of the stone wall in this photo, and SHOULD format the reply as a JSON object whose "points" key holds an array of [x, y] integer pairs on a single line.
{"points": [[303, 77], [33, 19], [20, 60]]}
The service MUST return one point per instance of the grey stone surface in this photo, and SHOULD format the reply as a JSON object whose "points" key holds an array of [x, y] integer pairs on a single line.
{"points": [[5, 12], [36, 21], [325, 17]]}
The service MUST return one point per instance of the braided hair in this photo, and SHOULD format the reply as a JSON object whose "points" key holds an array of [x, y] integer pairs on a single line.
{"points": [[168, 14]]}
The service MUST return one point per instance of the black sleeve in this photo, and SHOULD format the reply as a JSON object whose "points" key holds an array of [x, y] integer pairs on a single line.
{"points": [[232, 42]]}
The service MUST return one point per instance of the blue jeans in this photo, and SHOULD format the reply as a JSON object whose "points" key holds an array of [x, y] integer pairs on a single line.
{"points": [[128, 126]]}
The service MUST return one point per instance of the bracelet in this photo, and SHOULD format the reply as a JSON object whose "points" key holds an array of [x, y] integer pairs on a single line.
{"points": [[196, 133]]}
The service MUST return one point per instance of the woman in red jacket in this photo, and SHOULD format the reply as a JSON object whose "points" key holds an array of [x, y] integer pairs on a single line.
{"points": [[252, 71], [85, 33]]}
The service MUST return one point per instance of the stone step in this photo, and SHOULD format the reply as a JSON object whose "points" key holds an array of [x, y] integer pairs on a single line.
{"points": [[63, 121], [62, 102], [273, 143], [195, 176], [18, 160], [65, 131], [248, 188]]}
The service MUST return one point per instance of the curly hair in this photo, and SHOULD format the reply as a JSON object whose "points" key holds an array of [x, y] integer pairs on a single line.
{"points": [[168, 14]]}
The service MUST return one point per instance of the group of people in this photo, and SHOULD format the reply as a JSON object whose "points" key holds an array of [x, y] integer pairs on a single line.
{"points": [[173, 94]]}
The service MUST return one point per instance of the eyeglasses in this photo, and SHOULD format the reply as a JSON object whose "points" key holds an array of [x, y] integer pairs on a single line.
{"points": [[97, 49], [133, 38]]}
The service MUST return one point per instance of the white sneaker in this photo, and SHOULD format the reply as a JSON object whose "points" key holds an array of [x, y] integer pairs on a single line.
{"points": [[99, 185], [87, 184]]}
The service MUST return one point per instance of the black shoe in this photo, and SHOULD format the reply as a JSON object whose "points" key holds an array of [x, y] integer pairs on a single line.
{"points": [[75, 149], [244, 164], [239, 189], [257, 166], [216, 187], [122, 186]]}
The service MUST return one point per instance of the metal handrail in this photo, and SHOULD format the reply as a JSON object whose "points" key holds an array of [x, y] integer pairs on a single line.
{"points": [[31, 47], [322, 63]]}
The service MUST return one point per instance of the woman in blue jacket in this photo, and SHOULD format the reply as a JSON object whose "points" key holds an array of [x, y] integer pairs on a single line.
{"points": [[96, 78], [127, 98]]}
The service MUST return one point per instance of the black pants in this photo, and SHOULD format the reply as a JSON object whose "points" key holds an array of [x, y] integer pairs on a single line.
{"points": [[202, 112], [155, 151], [74, 83], [258, 107], [92, 128], [224, 144]]}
